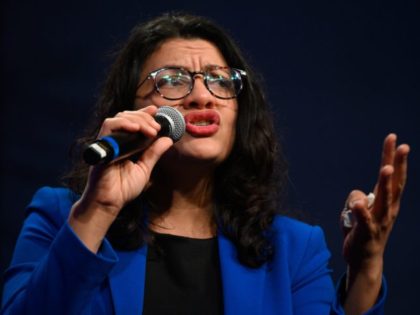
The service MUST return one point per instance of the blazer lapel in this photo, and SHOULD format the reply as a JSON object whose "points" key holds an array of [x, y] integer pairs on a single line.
{"points": [[242, 286], [127, 281]]}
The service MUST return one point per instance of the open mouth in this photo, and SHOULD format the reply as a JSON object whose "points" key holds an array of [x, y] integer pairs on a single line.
{"points": [[202, 123]]}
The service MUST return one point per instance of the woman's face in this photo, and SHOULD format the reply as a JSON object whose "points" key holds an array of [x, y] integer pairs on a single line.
{"points": [[210, 121]]}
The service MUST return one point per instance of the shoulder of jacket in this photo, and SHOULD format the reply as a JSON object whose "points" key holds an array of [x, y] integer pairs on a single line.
{"points": [[295, 235], [52, 202]]}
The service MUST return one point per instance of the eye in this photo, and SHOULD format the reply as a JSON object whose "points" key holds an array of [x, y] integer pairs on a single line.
{"points": [[220, 79], [172, 78]]}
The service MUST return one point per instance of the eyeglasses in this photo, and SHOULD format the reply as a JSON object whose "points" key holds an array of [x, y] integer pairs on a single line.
{"points": [[174, 83]]}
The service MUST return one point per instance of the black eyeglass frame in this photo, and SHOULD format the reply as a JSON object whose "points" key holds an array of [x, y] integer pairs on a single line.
{"points": [[154, 73]]}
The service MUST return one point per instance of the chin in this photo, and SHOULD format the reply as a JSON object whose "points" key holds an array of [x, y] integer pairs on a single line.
{"points": [[209, 153], [205, 148]]}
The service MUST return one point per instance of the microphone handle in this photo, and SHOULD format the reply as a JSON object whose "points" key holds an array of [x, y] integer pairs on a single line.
{"points": [[120, 145], [115, 147]]}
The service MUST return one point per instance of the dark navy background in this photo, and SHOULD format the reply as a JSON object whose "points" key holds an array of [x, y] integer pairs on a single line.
{"points": [[339, 75]]}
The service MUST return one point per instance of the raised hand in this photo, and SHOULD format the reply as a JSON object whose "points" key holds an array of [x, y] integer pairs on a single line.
{"points": [[366, 239]]}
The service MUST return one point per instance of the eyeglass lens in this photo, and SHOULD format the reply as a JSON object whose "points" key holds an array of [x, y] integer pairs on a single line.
{"points": [[175, 83]]}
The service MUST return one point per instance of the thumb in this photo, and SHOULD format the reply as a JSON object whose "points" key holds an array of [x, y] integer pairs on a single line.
{"points": [[361, 212]]}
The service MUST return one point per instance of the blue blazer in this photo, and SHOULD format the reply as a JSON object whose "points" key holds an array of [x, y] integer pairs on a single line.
{"points": [[52, 272]]}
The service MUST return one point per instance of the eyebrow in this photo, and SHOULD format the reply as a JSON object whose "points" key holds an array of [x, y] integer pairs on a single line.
{"points": [[207, 66]]}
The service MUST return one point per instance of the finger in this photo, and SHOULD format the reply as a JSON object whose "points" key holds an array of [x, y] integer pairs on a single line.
{"points": [[382, 205], [150, 156], [388, 150], [117, 124], [354, 197], [347, 218], [124, 124], [146, 123], [142, 116], [400, 174], [151, 109], [361, 213], [132, 121]]}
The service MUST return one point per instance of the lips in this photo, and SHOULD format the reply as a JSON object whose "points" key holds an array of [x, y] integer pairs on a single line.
{"points": [[202, 123]]}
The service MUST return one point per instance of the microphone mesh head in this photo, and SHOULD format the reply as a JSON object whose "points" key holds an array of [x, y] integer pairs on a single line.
{"points": [[175, 121]]}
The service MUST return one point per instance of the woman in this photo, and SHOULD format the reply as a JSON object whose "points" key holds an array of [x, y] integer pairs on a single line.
{"points": [[192, 227]]}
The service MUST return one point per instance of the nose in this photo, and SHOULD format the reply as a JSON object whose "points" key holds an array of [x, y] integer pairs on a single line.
{"points": [[200, 96]]}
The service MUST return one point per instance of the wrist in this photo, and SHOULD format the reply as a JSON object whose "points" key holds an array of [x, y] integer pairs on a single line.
{"points": [[368, 271], [363, 285], [90, 223], [372, 267]]}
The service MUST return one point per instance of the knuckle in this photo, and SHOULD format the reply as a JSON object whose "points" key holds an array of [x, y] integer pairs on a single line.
{"points": [[123, 113], [356, 192], [107, 123]]}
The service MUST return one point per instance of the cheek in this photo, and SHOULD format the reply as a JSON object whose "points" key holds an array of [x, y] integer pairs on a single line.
{"points": [[231, 132], [146, 96], [146, 89], [151, 99]]}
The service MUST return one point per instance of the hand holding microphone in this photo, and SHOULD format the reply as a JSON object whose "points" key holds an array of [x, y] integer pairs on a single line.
{"points": [[119, 145], [148, 132], [110, 186]]}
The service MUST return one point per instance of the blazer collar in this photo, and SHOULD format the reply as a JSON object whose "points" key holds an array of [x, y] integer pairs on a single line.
{"points": [[242, 286]]}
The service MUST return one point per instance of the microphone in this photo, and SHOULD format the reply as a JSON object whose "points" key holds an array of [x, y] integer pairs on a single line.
{"points": [[119, 145]]}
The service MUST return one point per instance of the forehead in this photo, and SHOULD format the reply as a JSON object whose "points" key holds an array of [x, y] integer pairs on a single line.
{"points": [[192, 54]]}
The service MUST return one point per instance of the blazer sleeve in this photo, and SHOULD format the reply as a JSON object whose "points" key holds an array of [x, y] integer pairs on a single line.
{"points": [[377, 309], [52, 272]]}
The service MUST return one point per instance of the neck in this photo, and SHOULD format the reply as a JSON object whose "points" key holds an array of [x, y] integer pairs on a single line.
{"points": [[182, 203]]}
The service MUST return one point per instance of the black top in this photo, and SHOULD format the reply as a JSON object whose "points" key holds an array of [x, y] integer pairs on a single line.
{"points": [[183, 276]]}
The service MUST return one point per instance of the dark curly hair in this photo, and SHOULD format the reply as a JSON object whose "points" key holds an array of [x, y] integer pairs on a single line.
{"points": [[247, 184]]}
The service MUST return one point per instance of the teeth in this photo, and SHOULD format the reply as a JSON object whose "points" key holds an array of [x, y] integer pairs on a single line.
{"points": [[201, 123]]}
